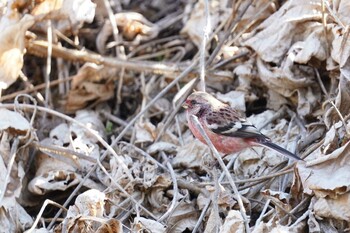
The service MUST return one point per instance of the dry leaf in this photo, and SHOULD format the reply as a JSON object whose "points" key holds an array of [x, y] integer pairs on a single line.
{"points": [[194, 26], [246, 74], [12, 48], [275, 39], [288, 44], [88, 204], [13, 122], [157, 194], [281, 199], [277, 228], [142, 224], [234, 98], [13, 217], [146, 132], [233, 223], [63, 172], [184, 217], [275, 44], [52, 174], [133, 27], [69, 15], [330, 178], [161, 146], [290, 81], [90, 86], [112, 225], [190, 155], [213, 222], [342, 99], [47, 6], [333, 208]]}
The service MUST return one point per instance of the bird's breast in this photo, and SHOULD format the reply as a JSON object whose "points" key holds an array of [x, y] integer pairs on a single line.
{"points": [[223, 144]]}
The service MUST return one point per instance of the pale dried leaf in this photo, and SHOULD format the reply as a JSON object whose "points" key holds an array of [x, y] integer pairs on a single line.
{"points": [[112, 225], [146, 132], [342, 99], [314, 226], [134, 24], [316, 179], [149, 172], [213, 223], [41, 230], [13, 217], [246, 74], [274, 43], [88, 204], [340, 50], [334, 208], [142, 224], [273, 227], [157, 195], [184, 217], [190, 155], [68, 14], [289, 80], [60, 172], [47, 6], [248, 162], [116, 172], [162, 105], [91, 120], [275, 100], [226, 200], [195, 25], [230, 51], [133, 27], [233, 223], [281, 199], [13, 122], [52, 174], [90, 84], [234, 98], [79, 11], [12, 48], [161, 146], [275, 39]]}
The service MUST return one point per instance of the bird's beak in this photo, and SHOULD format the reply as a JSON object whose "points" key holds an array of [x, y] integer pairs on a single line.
{"points": [[185, 105]]}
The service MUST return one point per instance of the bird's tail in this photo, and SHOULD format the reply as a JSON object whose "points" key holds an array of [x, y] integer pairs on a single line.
{"points": [[278, 149]]}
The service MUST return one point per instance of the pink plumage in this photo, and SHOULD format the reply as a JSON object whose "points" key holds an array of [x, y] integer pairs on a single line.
{"points": [[228, 131]]}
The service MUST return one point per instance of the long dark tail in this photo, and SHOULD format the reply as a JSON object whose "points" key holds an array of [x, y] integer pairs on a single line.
{"points": [[279, 149]]}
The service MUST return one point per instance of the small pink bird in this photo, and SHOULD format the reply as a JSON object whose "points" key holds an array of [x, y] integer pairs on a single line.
{"points": [[228, 132]]}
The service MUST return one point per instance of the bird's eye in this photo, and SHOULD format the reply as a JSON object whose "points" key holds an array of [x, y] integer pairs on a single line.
{"points": [[193, 102]]}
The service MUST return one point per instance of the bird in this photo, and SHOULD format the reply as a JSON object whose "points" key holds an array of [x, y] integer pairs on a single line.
{"points": [[228, 131]]}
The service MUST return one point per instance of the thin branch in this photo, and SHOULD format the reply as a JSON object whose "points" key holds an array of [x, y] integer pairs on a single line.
{"points": [[206, 31], [12, 157], [176, 190], [46, 202], [39, 48], [234, 23]]}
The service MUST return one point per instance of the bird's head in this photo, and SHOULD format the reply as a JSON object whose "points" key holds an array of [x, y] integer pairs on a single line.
{"points": [[199, 102]]}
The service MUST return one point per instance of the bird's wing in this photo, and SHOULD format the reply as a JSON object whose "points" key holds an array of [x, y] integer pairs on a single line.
{"points": [[226, 121]]}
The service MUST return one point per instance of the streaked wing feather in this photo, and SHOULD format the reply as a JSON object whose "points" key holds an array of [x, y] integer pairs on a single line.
{"points": [[228, 123]]}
